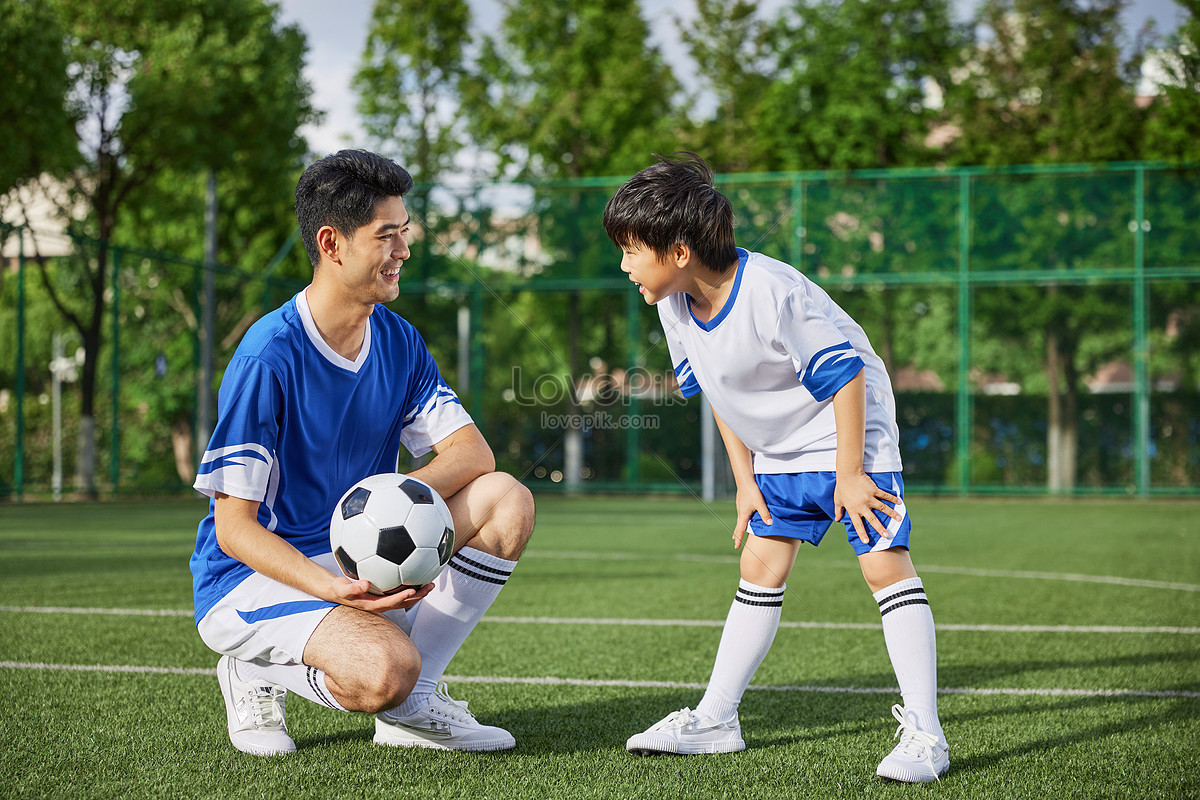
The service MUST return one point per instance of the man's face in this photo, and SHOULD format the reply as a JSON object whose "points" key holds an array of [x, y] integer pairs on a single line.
{"points": [[374, 254]]}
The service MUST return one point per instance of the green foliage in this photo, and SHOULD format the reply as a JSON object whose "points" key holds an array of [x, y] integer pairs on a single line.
{"points": [[407, 82], [35, 135], [1049, 82], [571, 89], [1173, 130], [726, 41], [849, 91]]}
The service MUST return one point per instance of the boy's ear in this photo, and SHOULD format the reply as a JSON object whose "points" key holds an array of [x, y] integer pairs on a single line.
{"points": [[681, 255]]}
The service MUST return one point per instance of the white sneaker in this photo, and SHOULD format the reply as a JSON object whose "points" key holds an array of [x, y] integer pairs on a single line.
{"points": [[920, 757], [441, 724], [686, 732], [255, 713]]}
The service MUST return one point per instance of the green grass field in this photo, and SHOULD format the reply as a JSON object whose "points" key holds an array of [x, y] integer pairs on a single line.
{"points": [[1069, 652]]}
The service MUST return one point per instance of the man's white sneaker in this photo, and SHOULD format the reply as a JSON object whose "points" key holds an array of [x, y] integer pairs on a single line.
{"points": [[442, 723], [920, 757], [686, 732], [255, 713]]}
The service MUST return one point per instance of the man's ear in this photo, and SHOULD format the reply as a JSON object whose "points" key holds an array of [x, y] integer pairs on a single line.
{"points": [[681, 254], [330, 243]]}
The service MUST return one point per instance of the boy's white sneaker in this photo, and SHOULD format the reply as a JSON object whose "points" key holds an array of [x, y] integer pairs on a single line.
{"points": [[255, 713], [920, 757], [686, 732], [442, 723]]}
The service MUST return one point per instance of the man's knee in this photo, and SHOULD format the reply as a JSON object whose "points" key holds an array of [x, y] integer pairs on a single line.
{"points": [[383, 679]]}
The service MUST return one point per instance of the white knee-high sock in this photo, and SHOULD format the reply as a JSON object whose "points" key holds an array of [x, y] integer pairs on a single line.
{"points": [[912, 646], [301, 679], [442, 621], [749, 630]]}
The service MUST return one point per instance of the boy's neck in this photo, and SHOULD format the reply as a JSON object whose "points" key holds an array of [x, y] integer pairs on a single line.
{"points": [[710, 291]]}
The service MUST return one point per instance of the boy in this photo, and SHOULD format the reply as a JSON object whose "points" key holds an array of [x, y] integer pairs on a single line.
{"points": [[321, 393], [806, 412]]}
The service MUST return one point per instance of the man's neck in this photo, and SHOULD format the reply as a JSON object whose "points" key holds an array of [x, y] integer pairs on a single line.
{"points": [[343, 325]]}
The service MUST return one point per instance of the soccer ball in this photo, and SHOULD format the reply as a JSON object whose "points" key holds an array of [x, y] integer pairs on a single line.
{"points": [[392, 530]]}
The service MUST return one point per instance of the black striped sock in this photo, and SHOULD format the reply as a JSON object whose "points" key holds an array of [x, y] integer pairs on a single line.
{"points": [[769, 598]]}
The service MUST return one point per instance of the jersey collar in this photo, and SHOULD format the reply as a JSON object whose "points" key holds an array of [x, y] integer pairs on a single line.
{"points": [[318, 341], [743, 255]]}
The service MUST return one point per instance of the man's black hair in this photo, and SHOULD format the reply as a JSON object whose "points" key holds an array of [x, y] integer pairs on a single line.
{"points": [[671, 202], [342, 191]]}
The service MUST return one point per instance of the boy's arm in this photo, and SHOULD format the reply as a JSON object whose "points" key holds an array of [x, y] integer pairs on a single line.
{"points": [[749, 498], [855, 493]]}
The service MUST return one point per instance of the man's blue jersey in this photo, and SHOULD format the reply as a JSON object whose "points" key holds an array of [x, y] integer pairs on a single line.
{"points": [[298, 424]]}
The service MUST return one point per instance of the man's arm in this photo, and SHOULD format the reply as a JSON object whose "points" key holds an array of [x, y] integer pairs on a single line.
{"points": [[855, 492], [460, 458], [241, 536]]}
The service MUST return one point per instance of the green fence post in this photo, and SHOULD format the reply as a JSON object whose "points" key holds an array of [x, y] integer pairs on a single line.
{"points": [[798, 232], [114, 458], [963, 400], [19, 467], [1141, 379]]}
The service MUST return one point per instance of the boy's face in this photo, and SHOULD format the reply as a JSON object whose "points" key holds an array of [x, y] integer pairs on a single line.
{"points": [[655, 278]]}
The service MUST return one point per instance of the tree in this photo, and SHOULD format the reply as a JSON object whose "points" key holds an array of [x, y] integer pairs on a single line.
{"points": [[407, 82], [1048, 82], [726, 42], [568, 90], [36, 135], [852, 78], [1173, 129], [571, 89], [183, 86]]}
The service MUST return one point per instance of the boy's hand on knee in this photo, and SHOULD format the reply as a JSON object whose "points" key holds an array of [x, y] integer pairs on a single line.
{"points": [[748, 501], [858, 496]]}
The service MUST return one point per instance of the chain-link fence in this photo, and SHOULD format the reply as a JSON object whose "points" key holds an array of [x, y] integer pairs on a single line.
{"points": [[1041, 326]]}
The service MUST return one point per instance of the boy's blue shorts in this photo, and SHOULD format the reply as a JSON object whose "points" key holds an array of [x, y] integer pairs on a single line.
{"points": [[801, 507]]}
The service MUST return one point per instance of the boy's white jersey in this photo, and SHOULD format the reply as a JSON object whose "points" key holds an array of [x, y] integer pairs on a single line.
{"points": [[770, 363]]}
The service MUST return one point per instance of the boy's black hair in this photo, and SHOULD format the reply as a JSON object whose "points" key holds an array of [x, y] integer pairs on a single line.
{"points": [[671, 202], [342, 190]]}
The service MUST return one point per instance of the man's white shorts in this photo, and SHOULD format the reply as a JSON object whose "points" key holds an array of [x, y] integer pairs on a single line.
{"points": [[264, 620]]}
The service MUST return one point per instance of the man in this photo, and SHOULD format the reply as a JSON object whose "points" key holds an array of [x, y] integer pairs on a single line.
{"points": [[321, 393]]}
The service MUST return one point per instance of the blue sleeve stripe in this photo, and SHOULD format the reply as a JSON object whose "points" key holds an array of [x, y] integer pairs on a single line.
{"points": [[832, 375], [682, 370], [689, 387]]}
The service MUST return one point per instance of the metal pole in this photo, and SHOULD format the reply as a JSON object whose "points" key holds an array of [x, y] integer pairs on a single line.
{"points": [[204, 401], [56, 407], [464, 350], [19, 467], [114, 456], [1141, 377], [708, 460]]}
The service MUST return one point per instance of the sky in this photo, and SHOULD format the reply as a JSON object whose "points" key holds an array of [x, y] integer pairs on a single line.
{"points": [[335, 42]]}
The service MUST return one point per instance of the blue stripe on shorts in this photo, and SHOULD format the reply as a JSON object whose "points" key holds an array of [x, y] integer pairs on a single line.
{"points": [[801, 507], [283, 610]]}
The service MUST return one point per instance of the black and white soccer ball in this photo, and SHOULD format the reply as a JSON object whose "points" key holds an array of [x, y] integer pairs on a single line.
{"points": [[392, 530]]}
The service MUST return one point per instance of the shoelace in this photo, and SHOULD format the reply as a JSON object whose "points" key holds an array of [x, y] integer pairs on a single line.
{"points": [[679, 719], [266, 704], [915, 742], [454, 709]]}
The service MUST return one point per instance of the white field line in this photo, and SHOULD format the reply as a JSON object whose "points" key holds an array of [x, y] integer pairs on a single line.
{"points": [[548, 681], [665, 623], [922, 567]]}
